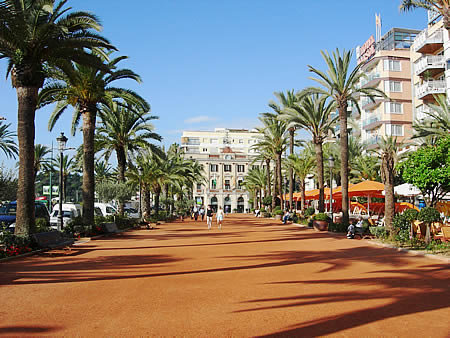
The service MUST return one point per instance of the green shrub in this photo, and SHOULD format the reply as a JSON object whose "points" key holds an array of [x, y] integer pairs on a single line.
{"points": [[378, 232], [266, 214], [42, 225], [277, 212], [401, 222], [428, 215], [411, 214], [321, 216], [402, 236], [309, 211], [337, 227]]}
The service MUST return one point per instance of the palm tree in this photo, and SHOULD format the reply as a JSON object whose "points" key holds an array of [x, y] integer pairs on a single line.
{"points": [[40, 160], [302, 164], [7, 143], [364, 167], [265, 157], [36, 37], [313, 113], [341, 84], [274, 140], [387, 151], [124, 130], [67, 167], [439, 6], [102, 172], [437, 123], [256, 180], [88, 90], [287, 101]]}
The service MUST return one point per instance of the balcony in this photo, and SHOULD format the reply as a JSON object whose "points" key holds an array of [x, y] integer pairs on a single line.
{"points": [[371, 122], [422, 112], [428, 44], [370, 79], [433, 64], [368, 104], [426, 90]]}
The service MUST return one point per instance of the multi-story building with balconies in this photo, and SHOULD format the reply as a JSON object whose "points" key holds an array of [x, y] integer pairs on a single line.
{"points": [[387, 66], [226, 156], [431, 56]]}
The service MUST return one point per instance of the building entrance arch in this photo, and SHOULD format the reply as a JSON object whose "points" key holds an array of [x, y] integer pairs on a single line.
{"points": [[214, 203], [240, 204], [227, 205]]}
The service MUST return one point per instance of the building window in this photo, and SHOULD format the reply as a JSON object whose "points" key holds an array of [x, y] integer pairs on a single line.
{"points": [[392, 86], [227, 185], [240, 184], [393, 108], [394, 129], [240, 168], [214, 141], [392, 65], [241, 141], [227, 167], [213, 183], [214, 168], [199, 186], [205, 150]]}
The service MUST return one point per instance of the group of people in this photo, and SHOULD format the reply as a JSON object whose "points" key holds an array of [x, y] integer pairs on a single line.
{"points": [[196, 212]]}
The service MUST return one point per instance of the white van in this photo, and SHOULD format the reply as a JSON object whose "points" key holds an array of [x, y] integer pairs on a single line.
{"points": [[106, 208], [69, 212]]}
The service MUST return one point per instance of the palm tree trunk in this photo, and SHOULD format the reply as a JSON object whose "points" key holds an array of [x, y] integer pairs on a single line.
{"points": [[166, 192], [27, 102], [319, 159], [121, 166], [303, 187], [157, 194], [342, 107], [280, 181], [291, 171], [269, 192], [146, 198], [88, 187], [387, 168], [275, 187]]}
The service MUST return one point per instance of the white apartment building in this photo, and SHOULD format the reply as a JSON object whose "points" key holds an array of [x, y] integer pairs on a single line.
{"points": [[226, 156], [431, 56]]}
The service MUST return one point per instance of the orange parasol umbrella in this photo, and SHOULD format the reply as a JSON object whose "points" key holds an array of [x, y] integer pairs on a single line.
{"points": [[365, 188]]}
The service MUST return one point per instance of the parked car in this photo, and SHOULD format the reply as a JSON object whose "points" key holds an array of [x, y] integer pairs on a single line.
{"points": [[9, 210], [106, 208], [68, 216], [131, 212]]}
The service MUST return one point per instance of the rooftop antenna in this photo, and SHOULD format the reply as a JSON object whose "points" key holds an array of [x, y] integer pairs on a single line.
{"points": [[378, 27]]}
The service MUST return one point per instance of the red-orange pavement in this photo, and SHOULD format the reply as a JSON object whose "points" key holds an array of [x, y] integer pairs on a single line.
{"points": [[252, 278]]}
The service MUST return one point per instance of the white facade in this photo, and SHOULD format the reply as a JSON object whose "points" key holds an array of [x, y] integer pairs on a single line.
{"points": [[226, 156]]}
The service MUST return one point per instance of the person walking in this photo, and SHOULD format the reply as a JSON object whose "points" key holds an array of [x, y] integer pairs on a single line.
{"points": [[219, 217], [202, 212], [195, 210], [209, 216]]}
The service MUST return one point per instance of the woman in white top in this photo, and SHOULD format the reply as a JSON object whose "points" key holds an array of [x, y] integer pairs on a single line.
{"points": [[219, 217]]}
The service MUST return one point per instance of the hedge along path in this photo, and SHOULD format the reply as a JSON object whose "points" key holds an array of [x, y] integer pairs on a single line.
{"points": [[255, 277]]}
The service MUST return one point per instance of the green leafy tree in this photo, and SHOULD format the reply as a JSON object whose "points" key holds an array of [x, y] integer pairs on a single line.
{"points": [[341, 84], [87, 89], [302, 164], [428, 168], [8, 184], [37, 37], [109, 191]]}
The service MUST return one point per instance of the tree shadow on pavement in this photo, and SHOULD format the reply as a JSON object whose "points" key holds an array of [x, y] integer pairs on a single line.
{"points": [[27, 330]]}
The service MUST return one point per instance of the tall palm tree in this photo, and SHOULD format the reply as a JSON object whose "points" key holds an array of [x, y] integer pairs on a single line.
{"points": [[256, 180], [88, 89], [287, 101], [341, 84], [36, 37], [302, 164], [388, 150], [313, 113], [7, 143], [274, 140], [124, 131], [439, 6]]}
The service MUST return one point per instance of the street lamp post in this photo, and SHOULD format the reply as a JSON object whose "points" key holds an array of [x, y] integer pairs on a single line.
{"points": [[331, 165], [140, 191], [62, 140]]}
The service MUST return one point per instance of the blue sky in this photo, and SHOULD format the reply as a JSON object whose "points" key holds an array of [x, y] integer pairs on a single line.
{"points": [[211, 63]]}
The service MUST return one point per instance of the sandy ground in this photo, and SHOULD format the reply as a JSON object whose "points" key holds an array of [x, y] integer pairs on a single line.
{"points": [[252, 278]]}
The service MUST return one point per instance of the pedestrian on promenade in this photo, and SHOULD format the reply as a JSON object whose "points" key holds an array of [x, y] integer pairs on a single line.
{"points": [[219, 217], [202, 212], [195, 211], [209, 216]]}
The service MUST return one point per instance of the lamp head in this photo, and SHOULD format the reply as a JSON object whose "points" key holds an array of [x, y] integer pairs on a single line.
{"points": [[62, 141], [331, 161]]}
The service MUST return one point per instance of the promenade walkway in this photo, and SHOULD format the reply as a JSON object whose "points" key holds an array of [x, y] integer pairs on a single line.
{"points": [[254, 277]]}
